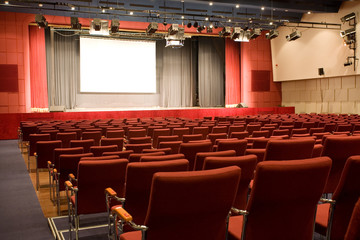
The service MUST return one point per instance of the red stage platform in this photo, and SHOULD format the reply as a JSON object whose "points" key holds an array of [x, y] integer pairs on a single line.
{"points": [[10, 122]]}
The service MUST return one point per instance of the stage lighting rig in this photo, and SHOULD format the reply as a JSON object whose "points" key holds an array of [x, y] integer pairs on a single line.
{"points": [[41, 21], [152, 28], [272, 34], [254, 33], [75, 23], [226, 31], [348, 17], [236, 32], [175, 40], [115, 23], [293, 36]]}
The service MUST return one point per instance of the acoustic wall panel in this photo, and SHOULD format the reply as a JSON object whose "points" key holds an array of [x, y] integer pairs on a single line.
{"points": [[260, 81], [9, 78]]}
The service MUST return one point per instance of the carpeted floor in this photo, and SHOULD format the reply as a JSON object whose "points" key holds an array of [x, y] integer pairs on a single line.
{"points": [[20, 212]]}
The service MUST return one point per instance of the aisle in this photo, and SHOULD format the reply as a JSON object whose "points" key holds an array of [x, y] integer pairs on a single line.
{"points": [[21, 216]]}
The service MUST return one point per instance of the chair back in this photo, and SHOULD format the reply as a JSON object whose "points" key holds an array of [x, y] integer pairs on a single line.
{"points": [[353, 231], [289, 150], [346, 195], [166, 151], [339, 149], [135, 157], [93, 178], [33, 138], [174, 145], [65, 138], [191, 149], [200, 157], [86, 144], [137, 140], [183, 206], [121, 154], [59, 151], [238, 145], [137, 148], [66, 164], [113, 141], [192, 137], [96, 135], [284, 193], [138, 184], [246, 163], [99, 150], [147, 158], [45, 152]]}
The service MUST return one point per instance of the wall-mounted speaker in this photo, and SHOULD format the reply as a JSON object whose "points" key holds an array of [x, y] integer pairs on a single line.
{"points": [[321, 71]]}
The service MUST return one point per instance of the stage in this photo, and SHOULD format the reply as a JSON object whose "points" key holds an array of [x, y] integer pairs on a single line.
{"points": [[9, 122]]}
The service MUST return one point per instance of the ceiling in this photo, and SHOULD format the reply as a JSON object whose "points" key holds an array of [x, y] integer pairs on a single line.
{"points": [[243, 13]]}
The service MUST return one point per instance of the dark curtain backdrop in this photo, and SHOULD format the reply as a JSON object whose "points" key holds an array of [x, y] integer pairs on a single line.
{"points": [[38, 82], [211, 72]]}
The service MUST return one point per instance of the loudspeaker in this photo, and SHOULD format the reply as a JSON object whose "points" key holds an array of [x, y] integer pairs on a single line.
{"points": [[57, 108], [321, 71], [242, 105]]}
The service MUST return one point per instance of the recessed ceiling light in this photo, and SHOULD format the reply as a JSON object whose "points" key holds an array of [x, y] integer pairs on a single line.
{"points": [[271, 23], [229, 20], [210, 3], [237, 6], [6, 2], [103, 10], [263, 8], [286, 10], [131, 13], [182, 17], [206, 19], [308, 12], [40, 4], [111, 8], [73, 8]]}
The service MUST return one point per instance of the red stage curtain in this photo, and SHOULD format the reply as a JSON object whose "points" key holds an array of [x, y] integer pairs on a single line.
{"points": [[232, 72], [38, 79]]}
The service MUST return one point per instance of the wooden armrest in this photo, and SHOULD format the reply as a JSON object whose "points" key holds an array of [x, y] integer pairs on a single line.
{"points": [[72, 177], [325, 200], [68, 184], [123, 214], [239, 211], [110, 192]]}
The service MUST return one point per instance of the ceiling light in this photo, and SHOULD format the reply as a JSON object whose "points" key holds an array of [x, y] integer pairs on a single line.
{"points": [[7, 2], [271, 23], [237, 6], [111, 8], [206, 19], [229, 20], [131, 13], [286, 10], [272, 34], [103, 10], [41, 21], [40, 5], [236, 32], [115, 23], [211, 25], [308, 12], [210, 3], [182, 17], [293, 36], [152, 28], [209, 29], [75, 23], [262, 8], [243, 36], [73, 8]]}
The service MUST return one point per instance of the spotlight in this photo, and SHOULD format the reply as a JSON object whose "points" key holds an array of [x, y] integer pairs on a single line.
{"points": [[173, 29], [209, 29], [236, 32], [293, 36], [225, 32], [152, 28], [254, 33], [196, 24], [348, 17], [272, 34], [347, 32], [200, 28], [115, 25], [176, 40], [75, 23], [189, 25], [165, 23], [96, 23], [41, 21], [244, 36]]}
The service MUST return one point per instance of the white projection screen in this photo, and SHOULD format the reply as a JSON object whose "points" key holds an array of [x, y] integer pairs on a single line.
{"points": [[117, 66]]}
